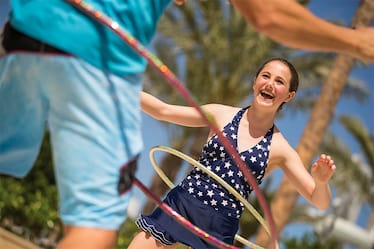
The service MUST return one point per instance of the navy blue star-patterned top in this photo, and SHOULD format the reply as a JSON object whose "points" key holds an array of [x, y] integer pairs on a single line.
{"points": [[215, 157]]}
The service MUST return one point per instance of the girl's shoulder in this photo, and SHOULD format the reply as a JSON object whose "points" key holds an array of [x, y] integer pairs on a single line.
{"points": [[278, 140], [221, 114], [280, 149], [220, 111]]}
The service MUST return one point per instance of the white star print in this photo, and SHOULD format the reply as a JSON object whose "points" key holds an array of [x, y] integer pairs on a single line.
{"points": [[230, 173], [213, 156], [227, 165]]}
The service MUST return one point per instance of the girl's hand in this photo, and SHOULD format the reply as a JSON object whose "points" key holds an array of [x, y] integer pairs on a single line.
{"points": [[323, 169]]}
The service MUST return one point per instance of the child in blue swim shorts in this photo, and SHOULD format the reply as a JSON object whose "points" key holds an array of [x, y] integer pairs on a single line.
{"points": [[64, 71]]}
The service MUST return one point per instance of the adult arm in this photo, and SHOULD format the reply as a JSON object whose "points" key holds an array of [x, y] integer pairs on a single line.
{"points": [[293, 25]]}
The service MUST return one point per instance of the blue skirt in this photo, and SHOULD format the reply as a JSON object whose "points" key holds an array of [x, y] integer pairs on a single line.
{"points": [[168, 231]]}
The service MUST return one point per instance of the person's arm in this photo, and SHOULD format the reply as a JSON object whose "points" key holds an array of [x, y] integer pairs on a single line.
{"points": [[293, 25], [312, 186], [181, 115], [322, 170]]}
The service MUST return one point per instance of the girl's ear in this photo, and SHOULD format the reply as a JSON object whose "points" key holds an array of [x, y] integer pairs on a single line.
{"points": [[290, 96]]}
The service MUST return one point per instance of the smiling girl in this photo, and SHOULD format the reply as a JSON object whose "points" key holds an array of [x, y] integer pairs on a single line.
{"points": [[251, 131]]}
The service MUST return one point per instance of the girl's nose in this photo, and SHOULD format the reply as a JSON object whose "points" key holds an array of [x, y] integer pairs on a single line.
{"points": [[269, 84]]}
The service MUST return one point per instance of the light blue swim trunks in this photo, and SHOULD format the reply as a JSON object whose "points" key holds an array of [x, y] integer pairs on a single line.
{"points": [[94, 122]]}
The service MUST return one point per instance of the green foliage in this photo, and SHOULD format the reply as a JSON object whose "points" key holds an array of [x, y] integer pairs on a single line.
{"points": [[28, 206], [126, 234], [309, 241]]}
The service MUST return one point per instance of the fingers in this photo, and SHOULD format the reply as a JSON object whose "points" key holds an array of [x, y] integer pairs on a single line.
{"points": [[324, 162], [327, 160]]}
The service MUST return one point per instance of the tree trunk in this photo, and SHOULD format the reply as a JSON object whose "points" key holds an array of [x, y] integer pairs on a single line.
{"points": [[319, 120]]}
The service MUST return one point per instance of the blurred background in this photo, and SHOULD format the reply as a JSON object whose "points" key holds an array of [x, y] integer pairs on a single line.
{"points": [[210, 48]]}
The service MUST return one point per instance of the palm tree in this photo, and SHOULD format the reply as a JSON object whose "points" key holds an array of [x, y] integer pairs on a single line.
{"points": [[357, 170], [217, 69], [352, 166], [320, 117], [364, 174], [216, 51], [349, 198], [215, 72]]}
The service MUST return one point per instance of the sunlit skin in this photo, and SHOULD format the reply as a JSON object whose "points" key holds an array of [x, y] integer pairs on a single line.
{"points": [[270, 90], [271, 86], [290, 23]]}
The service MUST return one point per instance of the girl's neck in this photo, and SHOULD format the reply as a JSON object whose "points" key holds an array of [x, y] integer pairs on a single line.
{"points": [[259, 120]]}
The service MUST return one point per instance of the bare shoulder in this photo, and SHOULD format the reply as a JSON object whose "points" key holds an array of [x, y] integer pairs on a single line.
{"points": [[219, 107], [221, 113], [279, 150]]}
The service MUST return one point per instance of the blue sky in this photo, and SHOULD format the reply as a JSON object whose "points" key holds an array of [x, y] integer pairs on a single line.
{"points": [[154, 133], [292, 125]]}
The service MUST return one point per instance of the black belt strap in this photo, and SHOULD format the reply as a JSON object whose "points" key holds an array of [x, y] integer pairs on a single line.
{"points": [[13, 40]]}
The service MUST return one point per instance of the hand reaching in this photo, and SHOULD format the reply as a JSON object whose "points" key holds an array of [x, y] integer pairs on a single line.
{"points": [[365, 46], [127, 175], [323, 169]]}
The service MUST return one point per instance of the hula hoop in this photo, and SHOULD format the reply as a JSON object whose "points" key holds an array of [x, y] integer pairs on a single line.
{"points": [[174, 82], [183, 221], [196, 164]]}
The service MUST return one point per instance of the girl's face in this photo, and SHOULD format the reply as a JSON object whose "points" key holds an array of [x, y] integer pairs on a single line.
{"points": [[271, 86]]}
